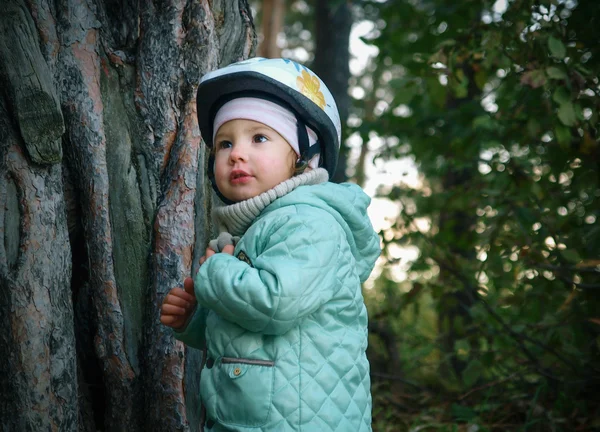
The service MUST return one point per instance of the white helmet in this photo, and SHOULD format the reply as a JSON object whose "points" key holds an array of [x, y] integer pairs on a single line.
{"points": [[282, 81]]}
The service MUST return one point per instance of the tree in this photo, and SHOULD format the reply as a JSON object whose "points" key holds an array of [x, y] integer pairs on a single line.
{"points": [[332, 61], [103, 204], [272, 13], [498, 108]]}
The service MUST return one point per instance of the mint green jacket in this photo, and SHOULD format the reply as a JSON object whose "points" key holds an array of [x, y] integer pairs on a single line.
{"points": [[284, 321]]}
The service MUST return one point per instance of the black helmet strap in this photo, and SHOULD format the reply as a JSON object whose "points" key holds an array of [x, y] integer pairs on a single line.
{"points": [[307, 152]]}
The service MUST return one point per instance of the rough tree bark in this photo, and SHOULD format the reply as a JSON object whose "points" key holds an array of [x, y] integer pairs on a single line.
{"points": [[103, 205]]}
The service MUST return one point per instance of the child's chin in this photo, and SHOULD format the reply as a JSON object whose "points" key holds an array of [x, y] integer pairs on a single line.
{"points": [[242, 196]]}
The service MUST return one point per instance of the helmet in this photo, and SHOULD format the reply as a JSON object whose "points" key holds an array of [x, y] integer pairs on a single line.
{"points": [[282, 81]]}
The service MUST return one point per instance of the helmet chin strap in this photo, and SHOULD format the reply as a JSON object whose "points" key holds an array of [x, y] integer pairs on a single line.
{"points": [[307, 152]]}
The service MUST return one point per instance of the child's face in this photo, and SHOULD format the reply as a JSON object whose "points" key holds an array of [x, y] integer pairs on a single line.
{"points": [[250, 158]]}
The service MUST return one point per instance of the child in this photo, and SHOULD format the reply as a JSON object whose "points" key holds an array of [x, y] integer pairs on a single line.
{"points": [[279, 311]]}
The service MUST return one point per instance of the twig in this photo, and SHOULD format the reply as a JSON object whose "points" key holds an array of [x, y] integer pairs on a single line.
{"points": [[491, 384], [398, 378]]}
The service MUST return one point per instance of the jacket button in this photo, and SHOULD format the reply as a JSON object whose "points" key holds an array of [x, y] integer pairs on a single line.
{"points": [[237, 371], [209, 362]]}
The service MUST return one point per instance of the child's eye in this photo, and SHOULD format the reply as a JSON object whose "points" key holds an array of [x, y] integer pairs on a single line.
{"points": [[224, 144], [259, 138]]}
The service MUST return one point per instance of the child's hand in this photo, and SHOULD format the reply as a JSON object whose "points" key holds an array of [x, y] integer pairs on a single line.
{"points": [[178, 305], [209, 252]]}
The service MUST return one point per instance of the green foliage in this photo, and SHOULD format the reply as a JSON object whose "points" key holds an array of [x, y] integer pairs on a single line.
{"points": [[499, 111]]}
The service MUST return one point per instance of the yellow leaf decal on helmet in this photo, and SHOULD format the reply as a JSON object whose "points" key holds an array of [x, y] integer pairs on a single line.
{"points": [[310, 87]]}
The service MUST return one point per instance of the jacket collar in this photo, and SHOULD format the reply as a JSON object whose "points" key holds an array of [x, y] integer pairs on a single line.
{"points": [[237, 218]]}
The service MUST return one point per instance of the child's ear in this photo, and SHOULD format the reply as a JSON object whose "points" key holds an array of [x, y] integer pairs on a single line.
{"points": [[300, 166]]}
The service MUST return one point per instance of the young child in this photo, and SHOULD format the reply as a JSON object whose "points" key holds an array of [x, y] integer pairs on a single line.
{"points": [[277, 302]]}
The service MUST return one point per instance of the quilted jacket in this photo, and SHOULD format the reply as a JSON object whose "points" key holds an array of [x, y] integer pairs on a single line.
{"points": [[283, 319]]}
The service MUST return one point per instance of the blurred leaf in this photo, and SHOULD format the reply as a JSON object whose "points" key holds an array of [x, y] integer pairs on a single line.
{"points": [[484, 122], [561, 95], [557, 48], [534, 78], [526, 216], [472, 372], [556, 73], [563, 136], [462, 347], [481, 78], [566, 114], [405, 90], [463, 413], [436, 91], [571, 255], [460, 85]]}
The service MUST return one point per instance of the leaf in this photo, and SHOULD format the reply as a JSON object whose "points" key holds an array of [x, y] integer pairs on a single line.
{"points": [[561, 95], [472, 372], [566, 114], [537, 190], [571, 255], [481, 78], [534, 78], [525, 216], [462, 347], [437, 92], [483, 122], [460, 84], [556, 73], [557, 48], [465, 413], [563, 136]]}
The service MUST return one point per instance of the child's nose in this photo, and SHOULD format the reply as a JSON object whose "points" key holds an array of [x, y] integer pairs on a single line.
{"points": [[238, 152]]}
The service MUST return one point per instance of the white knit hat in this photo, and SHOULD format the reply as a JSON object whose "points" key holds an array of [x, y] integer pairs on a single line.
{"points": [[278, 118]]}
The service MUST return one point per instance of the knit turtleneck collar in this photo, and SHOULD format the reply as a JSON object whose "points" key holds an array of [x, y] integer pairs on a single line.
{"points": [[238, 217]]}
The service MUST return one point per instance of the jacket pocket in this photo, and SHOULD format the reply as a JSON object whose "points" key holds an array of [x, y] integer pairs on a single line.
{"points": [[246, 391]]}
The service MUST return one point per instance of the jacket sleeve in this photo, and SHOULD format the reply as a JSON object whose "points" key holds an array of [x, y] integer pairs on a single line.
{"points": [[193, 333], [296, 272]]}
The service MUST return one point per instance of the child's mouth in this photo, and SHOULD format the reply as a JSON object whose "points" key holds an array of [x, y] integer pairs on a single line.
{"points": [[239, 177]]}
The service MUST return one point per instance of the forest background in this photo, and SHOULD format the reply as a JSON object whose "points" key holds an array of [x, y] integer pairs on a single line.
{"points": [[473, 124]]}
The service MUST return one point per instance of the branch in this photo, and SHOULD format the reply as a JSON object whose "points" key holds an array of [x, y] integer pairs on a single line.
{"points": [[518, 337], [490, 384], [398, 378]]}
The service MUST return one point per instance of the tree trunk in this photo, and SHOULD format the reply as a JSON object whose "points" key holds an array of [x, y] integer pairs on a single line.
{"points": [[103, 204], [454, 308], [271, 26], [332, 61]]}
